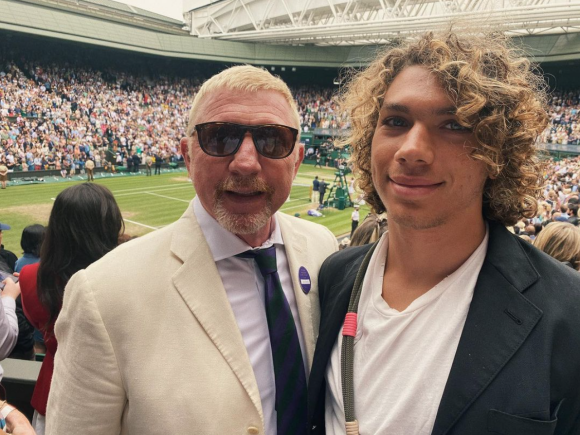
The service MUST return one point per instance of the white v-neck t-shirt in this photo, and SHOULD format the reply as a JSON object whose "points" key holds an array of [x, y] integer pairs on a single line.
{"points": [[402, 359]]}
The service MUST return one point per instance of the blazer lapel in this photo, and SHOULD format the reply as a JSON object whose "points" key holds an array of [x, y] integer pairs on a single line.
{"points": [[200, 285], [499, 320], [296, 247]]}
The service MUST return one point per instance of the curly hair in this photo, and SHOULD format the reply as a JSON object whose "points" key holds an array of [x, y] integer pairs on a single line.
{"points": [[497, 93]]}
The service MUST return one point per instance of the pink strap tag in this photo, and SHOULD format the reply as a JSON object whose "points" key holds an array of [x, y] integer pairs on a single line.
{"points": [[350, 323]]}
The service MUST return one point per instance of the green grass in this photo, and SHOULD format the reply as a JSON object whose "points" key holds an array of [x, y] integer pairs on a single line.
{"points": [[150, 202]]}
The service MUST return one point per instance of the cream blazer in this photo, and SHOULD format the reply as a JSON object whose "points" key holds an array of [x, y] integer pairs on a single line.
{"points": [[148, 343]]}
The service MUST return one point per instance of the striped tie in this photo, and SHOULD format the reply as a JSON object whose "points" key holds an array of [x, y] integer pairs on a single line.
{"points": [[288, 364]]}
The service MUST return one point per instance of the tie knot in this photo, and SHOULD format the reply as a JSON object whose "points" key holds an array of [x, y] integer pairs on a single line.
{"points": [[265, 258]]}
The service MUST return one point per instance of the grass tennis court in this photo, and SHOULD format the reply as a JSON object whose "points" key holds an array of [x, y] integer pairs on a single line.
{"points": [[148, 203]]}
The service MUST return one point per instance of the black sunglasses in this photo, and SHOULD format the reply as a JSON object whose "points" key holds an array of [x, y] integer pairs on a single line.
{"points": [[222, 139]]}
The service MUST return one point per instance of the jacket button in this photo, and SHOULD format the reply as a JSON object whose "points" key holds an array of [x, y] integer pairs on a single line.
{"points": [[252, 430]]}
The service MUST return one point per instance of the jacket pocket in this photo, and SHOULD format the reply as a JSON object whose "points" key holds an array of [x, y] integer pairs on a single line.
{"points": [[506, 424]]}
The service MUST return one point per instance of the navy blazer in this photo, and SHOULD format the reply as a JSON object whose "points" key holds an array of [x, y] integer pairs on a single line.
{"points": [[517, 366]]}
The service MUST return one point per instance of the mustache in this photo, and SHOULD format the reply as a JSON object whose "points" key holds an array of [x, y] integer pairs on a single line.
{"points": [[252, 183]]}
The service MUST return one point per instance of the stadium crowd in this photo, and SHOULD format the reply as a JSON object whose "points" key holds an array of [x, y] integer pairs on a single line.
{"points": [[54, 116], [564, 125]]}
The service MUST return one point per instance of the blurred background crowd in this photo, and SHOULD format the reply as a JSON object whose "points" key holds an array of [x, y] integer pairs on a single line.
{"points": [[56, 116]]}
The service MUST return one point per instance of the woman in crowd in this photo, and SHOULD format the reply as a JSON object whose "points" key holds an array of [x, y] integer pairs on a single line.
{"points": [[370, 230], [30, 242], [84, 225], [561, 240]]}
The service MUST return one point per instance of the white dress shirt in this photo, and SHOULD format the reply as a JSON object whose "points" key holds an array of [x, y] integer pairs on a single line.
{"points": [[244, 287]]}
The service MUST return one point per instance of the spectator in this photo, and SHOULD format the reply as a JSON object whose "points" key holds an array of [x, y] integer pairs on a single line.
{"points": [[370, 230], [136, 160], [322, 191], [30, 242], [84, 225], [158, 163], [573, 213], [354, 218], [3, 174], [90, 167], [148, 164], [315, 194], [10, 418], [530, 231], [563, 214], [8, 256], [8, 320], [562, 242]]}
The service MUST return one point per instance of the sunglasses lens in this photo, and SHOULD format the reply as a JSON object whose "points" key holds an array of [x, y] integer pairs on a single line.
{"points": [[220, 139], [275, 142]]}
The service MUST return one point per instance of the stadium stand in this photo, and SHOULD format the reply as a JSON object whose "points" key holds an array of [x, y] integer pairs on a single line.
{"points": [[54, 115]]}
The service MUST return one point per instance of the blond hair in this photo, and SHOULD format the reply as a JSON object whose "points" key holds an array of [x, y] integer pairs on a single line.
{"points": [[497, 95], [245, 78], [560, 240]]}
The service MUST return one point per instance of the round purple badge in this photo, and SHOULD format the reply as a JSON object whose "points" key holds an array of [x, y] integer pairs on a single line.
{"points": [[304, 278]]}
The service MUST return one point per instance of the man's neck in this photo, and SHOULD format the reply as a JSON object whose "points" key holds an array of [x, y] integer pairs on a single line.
{"points": [[257, 239], [417, 260]]}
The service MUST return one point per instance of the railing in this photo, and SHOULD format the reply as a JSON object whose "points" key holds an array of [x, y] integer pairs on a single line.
{"points": [[19, 380]]}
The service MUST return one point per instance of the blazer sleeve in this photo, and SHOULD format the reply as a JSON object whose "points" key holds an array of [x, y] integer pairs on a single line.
{"points": [[87, 394]]}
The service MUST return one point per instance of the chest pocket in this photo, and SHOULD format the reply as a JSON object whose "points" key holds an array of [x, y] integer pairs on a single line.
{"points": [[506, 424]]}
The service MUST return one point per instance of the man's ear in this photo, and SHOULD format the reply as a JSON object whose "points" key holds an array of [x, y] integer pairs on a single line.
{"points": [[184, 145], [299, 157]]}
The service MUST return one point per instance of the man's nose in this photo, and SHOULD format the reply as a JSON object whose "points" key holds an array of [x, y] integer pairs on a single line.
{"points": [[246, 160], [417, 146]]}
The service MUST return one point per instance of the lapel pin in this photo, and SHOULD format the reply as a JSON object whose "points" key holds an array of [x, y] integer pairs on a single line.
{"points": [[304, 278]]}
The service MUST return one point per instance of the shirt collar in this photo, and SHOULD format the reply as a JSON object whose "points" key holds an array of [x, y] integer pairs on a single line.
{"points": [[224, 244]]}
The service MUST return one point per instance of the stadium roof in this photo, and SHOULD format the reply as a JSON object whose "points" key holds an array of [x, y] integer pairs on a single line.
{"points": [[111, 24], [362, 22], [110, 10]]}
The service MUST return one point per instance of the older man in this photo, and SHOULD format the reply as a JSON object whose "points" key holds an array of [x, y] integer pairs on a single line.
{"points": [[454, 325], [215, 333]]}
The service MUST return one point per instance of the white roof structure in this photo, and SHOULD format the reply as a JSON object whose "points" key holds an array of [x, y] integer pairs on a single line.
{"points": [[363, 22]]}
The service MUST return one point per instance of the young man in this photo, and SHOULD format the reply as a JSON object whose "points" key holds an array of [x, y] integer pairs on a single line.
{"points": [[215, 332], [461, 327]]}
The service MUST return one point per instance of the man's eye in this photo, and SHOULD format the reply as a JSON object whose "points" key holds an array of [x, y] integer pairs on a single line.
{"points": [[395, 122], [456, 126]]}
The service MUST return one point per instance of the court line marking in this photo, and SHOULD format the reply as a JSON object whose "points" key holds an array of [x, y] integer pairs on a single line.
{"points": [[296, 206], [156, 190], [139, 223], [152, 187], [168, 197]]}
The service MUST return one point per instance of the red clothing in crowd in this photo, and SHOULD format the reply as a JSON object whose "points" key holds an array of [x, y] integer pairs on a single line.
{"points": [[38, 316]]}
